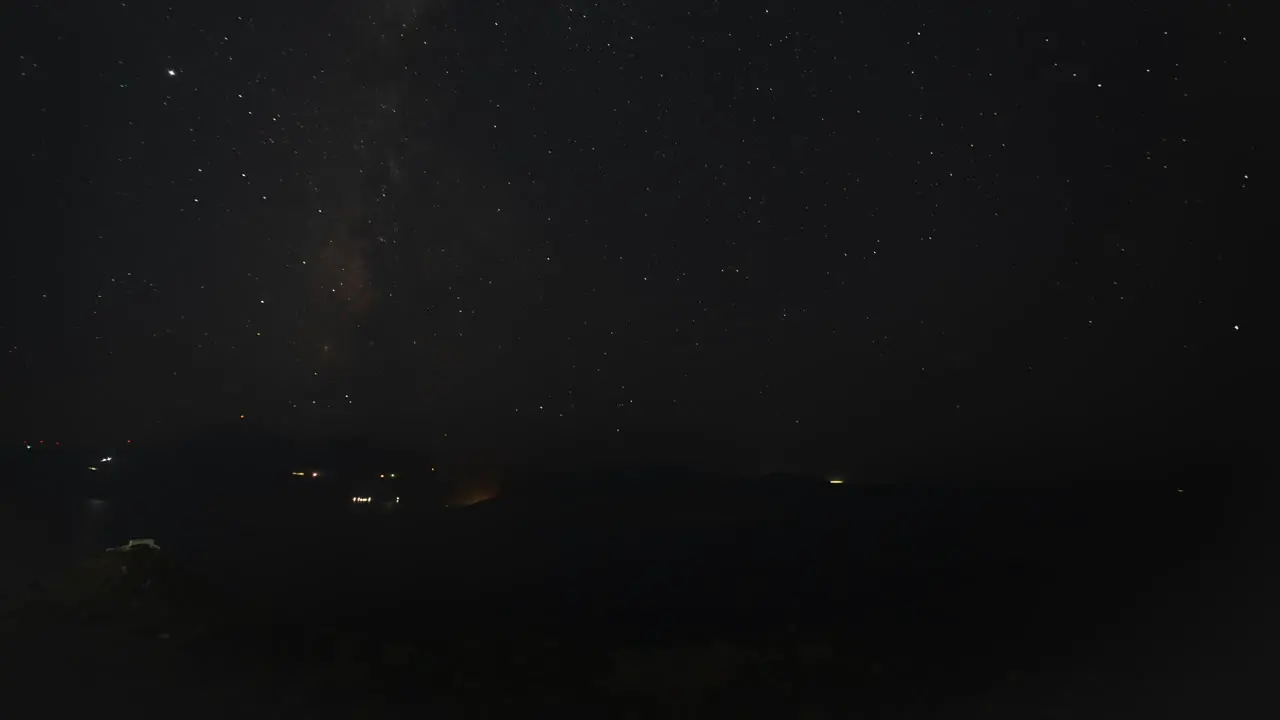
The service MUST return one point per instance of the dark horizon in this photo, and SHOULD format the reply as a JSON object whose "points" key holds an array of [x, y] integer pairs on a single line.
{"points": [[1054, 460]]}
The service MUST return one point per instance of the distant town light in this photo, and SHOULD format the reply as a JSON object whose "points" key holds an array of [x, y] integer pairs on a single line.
{"points": [[393, 474], [315, 474], [299, 474], [95, 469], [837, 481]]}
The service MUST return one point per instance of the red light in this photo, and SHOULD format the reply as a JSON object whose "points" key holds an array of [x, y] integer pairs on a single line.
{"points": [[41, 442], [57, 442], [128, 441]]}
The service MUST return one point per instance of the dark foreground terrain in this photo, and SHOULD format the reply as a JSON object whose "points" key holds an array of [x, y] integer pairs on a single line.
{"points": [[839, 602]]}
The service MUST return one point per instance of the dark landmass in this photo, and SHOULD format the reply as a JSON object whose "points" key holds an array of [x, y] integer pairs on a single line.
{"points": [[656, 593]]}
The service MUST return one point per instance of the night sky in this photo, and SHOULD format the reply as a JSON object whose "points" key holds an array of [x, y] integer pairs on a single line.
{"points": [[692, 231]]}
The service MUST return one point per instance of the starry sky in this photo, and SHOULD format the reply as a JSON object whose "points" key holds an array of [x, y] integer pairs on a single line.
{"points": [[698, 231]]}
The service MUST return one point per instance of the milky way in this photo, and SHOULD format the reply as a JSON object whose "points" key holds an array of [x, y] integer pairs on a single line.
{"points": [[759, 230]]}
